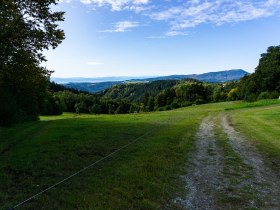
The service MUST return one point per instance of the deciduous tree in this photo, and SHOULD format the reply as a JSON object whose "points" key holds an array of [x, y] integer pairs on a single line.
{"points": [[27, 27]]}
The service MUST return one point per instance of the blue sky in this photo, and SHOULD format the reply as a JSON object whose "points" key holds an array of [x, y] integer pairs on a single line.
{"points": [[162, 37]]}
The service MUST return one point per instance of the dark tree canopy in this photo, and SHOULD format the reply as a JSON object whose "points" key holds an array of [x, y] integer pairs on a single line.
{"points": [[268, 70], [27, 27], [265, 80]]}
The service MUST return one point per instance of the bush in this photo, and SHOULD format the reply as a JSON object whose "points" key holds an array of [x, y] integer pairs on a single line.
{"points": [[186, 103], [251, 98], [199, 101], [274, 95], [81, 108], [232, 95], [111, 109], [161, 109], [95, 109], [168, 107], [174, 105], [264, 95], [53, 106], [11, 112]]}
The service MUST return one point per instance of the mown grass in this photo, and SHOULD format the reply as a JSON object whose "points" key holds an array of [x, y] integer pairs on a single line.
{"points": [[145, 175], [35, 155], [262, 127], [260, 103]]}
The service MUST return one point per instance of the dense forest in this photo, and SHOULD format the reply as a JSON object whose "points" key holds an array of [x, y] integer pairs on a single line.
{"points": [[264, 83], [88, 84], [26, 29], [29, 27], [161, 95]]}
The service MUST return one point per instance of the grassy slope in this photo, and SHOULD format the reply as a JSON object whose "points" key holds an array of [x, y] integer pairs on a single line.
{"points": [[36, 155], [145, 175], [262, 127]]}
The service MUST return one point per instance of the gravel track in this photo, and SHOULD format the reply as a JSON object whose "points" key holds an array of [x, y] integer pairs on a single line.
{"points": [[204, 170], [264, 180], [206, 181]]}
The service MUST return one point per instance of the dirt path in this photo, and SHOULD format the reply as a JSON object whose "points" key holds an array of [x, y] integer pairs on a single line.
{"points": [[226, 172], [204, 170], [264, 180]]}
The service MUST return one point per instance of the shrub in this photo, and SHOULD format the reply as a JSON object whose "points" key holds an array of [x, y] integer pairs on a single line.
{"points": [[161, 109], [251, 98], [81, 107], [232, 95], [168, 107], [186, 103], [274, 95], [199, 101], [95, 109], [174, 105], [264, 95]]}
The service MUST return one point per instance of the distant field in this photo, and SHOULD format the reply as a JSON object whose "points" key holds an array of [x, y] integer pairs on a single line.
{"points": [[261, 103], [144, 175]]}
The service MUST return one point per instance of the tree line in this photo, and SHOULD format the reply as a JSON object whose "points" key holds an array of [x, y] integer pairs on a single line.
{"points": [[26, 29], [29, 27], [264, 83], [182, 93]]}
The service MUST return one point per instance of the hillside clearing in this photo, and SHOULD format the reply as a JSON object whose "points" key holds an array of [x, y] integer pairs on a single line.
{"points": [[145, 175], [227, 172], [37, 155], [262, 127]]}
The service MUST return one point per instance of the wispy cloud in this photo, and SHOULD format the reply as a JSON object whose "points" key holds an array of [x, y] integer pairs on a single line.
{"points": [[176, 33], [122, 26], [156, 37], [183, 15], [116, 5], [218, 12], [64, 1], [93, 63]]}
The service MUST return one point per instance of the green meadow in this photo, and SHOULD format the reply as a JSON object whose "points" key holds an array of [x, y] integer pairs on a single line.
{"points": [[262, 126], [143, 175]]}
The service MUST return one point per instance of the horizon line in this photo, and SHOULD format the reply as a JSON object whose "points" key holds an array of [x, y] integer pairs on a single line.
{"points": [[142, 76]]}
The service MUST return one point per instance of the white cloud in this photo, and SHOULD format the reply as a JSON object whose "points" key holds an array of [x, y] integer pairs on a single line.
{"points": [[122, 26], [156, 37], [116, 5], [125, 25], [184, 14], [137, 9], [86, 1], [273, 3], [93, 63], [176, 33], [64, 1], [217, 12]]}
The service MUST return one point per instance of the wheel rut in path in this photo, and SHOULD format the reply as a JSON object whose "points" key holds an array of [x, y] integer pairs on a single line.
{"points": [[264, 181], [216, 180], [204, 169]]}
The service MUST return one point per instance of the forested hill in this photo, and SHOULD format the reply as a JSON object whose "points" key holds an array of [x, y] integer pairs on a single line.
{"points": [[164, 92], [159, 95], [138, 91], [212, 77], [221, 76]]}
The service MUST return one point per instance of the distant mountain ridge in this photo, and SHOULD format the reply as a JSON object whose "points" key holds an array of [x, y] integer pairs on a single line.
{"points": [[61, 80], [220, 76], [95, 84]]}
